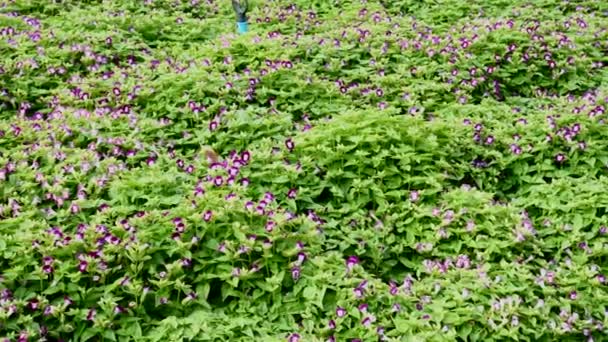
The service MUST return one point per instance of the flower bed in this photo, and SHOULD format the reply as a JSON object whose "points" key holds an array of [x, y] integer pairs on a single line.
{"points": [[346, 171]]}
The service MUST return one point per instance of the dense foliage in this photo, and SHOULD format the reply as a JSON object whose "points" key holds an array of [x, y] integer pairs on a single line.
{"points": [[398, 170]]}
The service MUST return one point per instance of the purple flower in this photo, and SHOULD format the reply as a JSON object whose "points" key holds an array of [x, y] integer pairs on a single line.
{"points": [[448, 216], [516, 149], [582, 145], [463, 261], [207, 215], [393, 288], [267, 244], [479, 163], [367, 321], [573, 295], [249, 205], [351, 261], [268, 196], [560, 158], [293, 338], [33, 304], [301, 258], [91, 314], [23, 336], [470, 226], [289, 144], [292, 193], [331, 324], [414, 196], [270, 226], [191, 296], [295, 273], [340, 312], [82, 267]]}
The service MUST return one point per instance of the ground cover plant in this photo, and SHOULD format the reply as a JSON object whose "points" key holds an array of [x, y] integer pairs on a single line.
{"points": [[346, 171]]}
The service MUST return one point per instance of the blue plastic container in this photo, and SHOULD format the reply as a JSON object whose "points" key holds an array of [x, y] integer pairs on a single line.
{"points": [[242, 27]]}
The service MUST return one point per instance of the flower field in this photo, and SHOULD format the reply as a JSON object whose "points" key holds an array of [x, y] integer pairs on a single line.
{"points": [[406, 170]]}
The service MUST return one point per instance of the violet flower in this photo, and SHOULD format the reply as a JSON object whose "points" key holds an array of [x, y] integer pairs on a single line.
{"points": [[367, 321], [414, 196], [295, 273], [48, 269], [91, 314], [270, 226], [393, 288], [289, 144], [301, 258], [207, 215], [351, 261]]}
